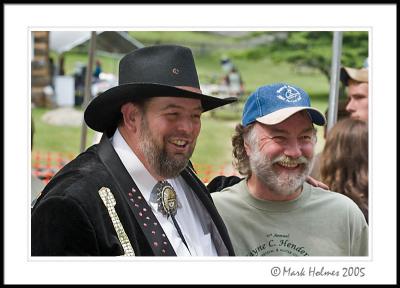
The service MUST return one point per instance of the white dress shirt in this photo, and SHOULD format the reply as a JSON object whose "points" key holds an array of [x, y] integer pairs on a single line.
{"points": [[199, 243]]}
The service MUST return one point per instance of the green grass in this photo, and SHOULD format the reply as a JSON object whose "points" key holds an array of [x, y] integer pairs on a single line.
{"points": [[187, 38], [265, 71], [51, 138], [254, 73], [213, 144]]}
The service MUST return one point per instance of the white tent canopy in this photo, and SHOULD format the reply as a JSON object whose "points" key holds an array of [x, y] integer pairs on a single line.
{"points": [[114, 42], [109, 41]]}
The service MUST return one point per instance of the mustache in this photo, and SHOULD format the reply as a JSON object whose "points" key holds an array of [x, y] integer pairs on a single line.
{"points": [[290, 160]]}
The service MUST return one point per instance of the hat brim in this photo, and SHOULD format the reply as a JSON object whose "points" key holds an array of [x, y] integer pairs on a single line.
{"points": [[360, 75], [104, 111], [281, 115]]}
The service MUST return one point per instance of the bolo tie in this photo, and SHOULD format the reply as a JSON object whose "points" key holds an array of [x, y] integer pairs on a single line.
{"points": [[167, 204]]}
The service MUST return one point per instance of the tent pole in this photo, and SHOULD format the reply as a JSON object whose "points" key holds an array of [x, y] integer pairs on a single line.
{"points": [[335, 77], [88, 87]]}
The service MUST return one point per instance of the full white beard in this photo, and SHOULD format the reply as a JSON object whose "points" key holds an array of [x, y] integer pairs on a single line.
{"points": [[283, 184]]}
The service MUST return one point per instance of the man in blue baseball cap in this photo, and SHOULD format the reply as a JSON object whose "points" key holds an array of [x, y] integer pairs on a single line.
{"points": [[274, 211]]}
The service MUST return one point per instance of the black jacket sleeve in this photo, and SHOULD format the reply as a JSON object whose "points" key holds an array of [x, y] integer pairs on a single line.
{"points": [[221, 182], [61, 227]]}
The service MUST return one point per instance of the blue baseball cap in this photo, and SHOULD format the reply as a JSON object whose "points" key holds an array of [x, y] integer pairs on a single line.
{"points": [[272, 104]]}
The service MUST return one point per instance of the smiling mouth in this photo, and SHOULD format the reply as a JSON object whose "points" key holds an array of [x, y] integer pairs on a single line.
{"points": [[289, 164], [179, 143]]}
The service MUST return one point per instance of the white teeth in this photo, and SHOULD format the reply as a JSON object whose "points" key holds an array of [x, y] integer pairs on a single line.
{"points": [[179, 142], [287, 164]]}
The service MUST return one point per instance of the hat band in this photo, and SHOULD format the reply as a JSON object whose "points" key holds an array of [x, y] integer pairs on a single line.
{"points": [[189, 88]]}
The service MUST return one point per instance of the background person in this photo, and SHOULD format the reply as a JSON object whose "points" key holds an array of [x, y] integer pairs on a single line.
{"points": [[273, 211], [344, 161], [316, 169], [234, 82], [97, 71], [356, 81]]}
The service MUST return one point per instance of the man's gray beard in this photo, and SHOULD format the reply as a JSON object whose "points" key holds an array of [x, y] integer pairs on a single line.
{"points": [[157, 157], [279, 184]]}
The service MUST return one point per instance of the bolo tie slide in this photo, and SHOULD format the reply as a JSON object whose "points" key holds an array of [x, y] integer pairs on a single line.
{"points": [[168, 205]]}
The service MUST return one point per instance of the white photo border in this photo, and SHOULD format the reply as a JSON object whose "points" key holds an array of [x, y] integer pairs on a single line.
{"points": [[20, 20]]}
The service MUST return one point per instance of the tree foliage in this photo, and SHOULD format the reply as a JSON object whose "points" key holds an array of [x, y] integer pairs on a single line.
{"points": [[314, 49]]}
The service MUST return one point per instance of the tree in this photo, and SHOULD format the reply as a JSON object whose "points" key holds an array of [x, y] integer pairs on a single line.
{"points": [[314, 49]]}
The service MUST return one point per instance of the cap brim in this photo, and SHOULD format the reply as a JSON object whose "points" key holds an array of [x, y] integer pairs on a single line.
{"points": [[360, 75], [281, 115], [103, 112]]}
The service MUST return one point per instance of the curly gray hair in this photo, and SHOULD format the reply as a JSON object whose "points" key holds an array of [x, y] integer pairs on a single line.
{"points": [[241, 159]]}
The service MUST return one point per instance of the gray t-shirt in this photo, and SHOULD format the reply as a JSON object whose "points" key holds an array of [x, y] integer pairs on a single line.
{"points": [[316, 223]]}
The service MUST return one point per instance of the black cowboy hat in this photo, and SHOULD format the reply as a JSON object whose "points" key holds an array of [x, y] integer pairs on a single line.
{"points": [[162, 71]]}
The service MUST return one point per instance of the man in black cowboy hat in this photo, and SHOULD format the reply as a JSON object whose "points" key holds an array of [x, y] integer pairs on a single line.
{"points": [[134, 193]]}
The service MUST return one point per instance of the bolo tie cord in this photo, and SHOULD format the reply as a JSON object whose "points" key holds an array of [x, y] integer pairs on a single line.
{"points": [[180, 232]]}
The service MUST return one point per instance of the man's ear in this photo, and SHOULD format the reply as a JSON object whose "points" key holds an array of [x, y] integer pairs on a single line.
{"points": [[130, 116]]}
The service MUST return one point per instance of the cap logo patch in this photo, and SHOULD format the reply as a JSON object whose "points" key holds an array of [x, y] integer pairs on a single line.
{"points": [[288, 94], [175, 71]]}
